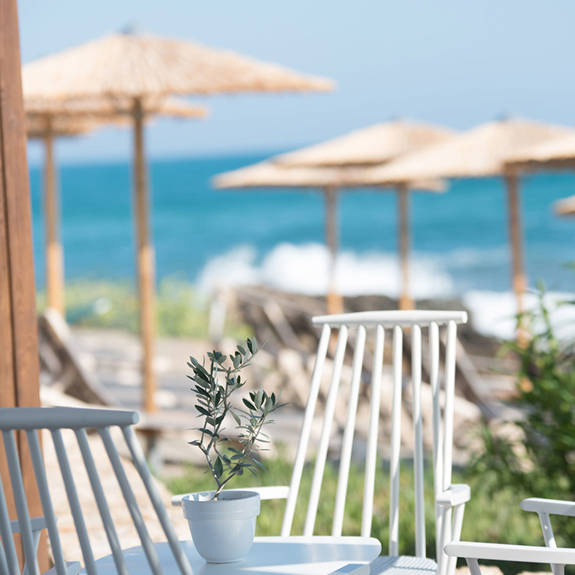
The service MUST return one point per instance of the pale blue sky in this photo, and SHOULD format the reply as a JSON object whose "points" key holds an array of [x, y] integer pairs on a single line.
{"points": [[455, 62]]}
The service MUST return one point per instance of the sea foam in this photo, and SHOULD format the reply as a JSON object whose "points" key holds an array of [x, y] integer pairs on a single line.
{"points": [[304, 269], [494, 313]]}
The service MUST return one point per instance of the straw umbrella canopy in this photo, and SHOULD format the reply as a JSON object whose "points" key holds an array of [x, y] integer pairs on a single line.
{"points": [[377, 144], [47, 121], [108, 110], [370, 146], [329, 180], [555, 154], [36, 128], [139, 68], [565, 207], [479, 153]]}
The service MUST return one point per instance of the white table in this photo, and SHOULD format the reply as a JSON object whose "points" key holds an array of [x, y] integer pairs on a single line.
{"points": [[268, 556]]}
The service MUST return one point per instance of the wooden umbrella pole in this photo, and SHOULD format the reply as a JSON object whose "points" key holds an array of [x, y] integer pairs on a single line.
{"points": [[54, 256], [514, 214], [405, 301], [145, 255], [334, 300]]}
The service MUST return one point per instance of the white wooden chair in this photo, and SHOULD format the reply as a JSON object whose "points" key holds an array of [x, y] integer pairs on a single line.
{"points": [[556, 557], [387, 327], [30, 421]]}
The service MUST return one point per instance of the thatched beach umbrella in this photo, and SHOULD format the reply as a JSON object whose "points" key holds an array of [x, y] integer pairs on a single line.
{"points": [[329, 180], [478, 153], [140, 68], [375, 145], [47, 121]]}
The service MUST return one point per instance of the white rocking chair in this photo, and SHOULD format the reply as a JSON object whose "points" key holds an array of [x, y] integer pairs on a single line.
{"points": [[557, 557], [353, 331], [30, 421]]}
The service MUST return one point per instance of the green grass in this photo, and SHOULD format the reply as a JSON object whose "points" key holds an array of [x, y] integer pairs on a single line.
{"points": [[180, 312], [487, 518]]}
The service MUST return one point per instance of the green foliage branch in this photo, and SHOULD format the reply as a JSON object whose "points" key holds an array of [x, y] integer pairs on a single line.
{"points": [[540, 462], [214, 386]]}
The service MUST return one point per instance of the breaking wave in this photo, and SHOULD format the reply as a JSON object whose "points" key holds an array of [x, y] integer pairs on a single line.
{"points": [[304, 269]]}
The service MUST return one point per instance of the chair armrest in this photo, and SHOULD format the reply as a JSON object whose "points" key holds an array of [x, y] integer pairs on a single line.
{"points": [[550, 506], [265, 493], [37, 523], [454, 495], [521, 553]]}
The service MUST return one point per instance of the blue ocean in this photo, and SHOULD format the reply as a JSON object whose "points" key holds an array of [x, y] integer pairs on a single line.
{"points": [[459, 238]]}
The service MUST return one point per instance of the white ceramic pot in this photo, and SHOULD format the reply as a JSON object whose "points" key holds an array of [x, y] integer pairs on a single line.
{"points": [[222, 529]]}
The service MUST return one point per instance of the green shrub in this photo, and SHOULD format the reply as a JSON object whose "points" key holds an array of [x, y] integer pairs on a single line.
{"points": [[541, 462], [180, 312]]}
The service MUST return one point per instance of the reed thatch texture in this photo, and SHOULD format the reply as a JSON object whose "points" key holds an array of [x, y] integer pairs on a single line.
{"points": [[37, 127], [109, 110], [269, 174], [565, 207], [138, 68], [558, 153], [135, 66], [375, 144], [477, 153]]}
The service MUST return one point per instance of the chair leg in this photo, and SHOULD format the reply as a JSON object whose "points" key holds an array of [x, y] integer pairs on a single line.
{"points": [[473, 565]]}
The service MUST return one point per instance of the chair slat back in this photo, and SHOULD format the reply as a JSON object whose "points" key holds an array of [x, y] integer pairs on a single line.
{"points": [[8, 555], [395, 441], [362, 341], [32, 421], [370, 461], [349, 433]]}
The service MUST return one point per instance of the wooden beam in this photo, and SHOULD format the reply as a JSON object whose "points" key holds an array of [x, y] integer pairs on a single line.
{"points": [[334, 301], [54, 257], [145, 256], [19, 370], [19, 348], [404, 244]]}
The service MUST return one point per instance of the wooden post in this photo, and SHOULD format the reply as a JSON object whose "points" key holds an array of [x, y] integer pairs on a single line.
{"points": [[19, 370], [405, 301], [334, 301], [145, 256], [519, 280], [54, 258]]}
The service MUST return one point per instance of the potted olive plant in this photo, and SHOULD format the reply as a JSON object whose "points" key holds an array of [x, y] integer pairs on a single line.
{"points": [[222, 522]]}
